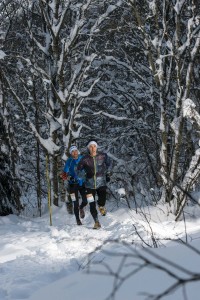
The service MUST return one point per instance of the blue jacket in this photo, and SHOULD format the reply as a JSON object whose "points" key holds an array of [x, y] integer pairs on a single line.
{"points": [[71, 169]]}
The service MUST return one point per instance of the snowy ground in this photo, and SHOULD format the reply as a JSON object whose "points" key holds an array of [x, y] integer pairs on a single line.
{"points": [[38, 261]]}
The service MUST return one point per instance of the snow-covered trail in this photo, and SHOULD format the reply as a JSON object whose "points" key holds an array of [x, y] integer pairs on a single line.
{"points": [[34, 254]]}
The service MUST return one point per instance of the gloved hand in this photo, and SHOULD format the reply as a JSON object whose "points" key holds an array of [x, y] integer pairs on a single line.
{"points": [[108, 177], [64, 176]]}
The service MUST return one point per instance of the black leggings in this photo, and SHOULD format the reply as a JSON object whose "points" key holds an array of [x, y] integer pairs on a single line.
{"points": [[75, 189]]}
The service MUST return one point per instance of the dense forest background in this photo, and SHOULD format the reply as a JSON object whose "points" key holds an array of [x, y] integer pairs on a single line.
{"points": [[123, 72]]}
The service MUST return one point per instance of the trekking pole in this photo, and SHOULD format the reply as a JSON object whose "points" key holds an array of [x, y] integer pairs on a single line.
{"points": [[49, 189]]}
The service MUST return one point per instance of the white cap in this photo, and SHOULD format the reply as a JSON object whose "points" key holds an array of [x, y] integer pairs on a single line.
{"points": [[72, 148], [92, 143]]}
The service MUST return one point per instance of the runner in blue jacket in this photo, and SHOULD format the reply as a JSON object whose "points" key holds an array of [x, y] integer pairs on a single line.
{"points": [[76, 184]]}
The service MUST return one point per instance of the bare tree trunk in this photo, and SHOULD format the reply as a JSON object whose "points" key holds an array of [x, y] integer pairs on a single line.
{"points": [[39, 196], [55, 185]]}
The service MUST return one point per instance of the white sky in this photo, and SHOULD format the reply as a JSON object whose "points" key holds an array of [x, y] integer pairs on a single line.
{"points": [[40, 262]]}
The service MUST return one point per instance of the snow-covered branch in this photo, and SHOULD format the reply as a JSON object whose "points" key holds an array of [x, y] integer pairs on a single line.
{"points": [[111, 116], [190, 112], [47, 144], [103, 17]]}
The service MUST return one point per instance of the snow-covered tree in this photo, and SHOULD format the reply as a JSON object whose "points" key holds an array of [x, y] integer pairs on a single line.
{"points": [[169, 33], [9, 157], [118, 71], [49, 70]]}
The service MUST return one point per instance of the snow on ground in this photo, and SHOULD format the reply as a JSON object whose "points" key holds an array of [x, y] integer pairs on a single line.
{"points": [[38, 261]]}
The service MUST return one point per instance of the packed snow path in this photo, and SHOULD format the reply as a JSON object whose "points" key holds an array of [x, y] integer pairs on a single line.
{"points": [[34, 254]]}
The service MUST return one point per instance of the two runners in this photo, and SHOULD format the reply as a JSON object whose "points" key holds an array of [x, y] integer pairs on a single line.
{"points": [[90, 172]]}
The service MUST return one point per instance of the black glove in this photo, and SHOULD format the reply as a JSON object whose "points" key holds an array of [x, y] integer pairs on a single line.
{"points": [[107, 177]]}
